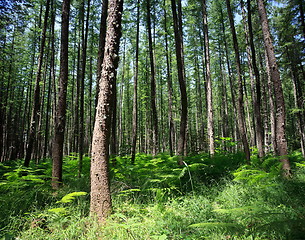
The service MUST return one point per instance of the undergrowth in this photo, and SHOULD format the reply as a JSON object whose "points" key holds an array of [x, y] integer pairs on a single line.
{"points": [[216, 197]]}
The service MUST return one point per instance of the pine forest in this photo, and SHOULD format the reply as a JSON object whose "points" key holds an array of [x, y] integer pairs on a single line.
{"points": [[152, 119]]}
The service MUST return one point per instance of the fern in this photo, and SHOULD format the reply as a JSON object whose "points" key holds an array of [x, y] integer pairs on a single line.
{"points": [[71, 196]]}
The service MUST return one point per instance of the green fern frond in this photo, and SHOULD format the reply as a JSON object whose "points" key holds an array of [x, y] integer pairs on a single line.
{"points": [[58, 210], [71, 196]]}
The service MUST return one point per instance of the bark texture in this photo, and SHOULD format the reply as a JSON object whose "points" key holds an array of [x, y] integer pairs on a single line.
{"points": [[100, 189], [280, 131], [60, 115]]}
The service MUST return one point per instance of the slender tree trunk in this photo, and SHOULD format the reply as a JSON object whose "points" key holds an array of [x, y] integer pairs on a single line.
{"points": [[36, 102], [255, 80], [298, 97], [60, 115], [181, 77], [281, 142], [82, 89], [135, 91], [100, 189], [171, 137], [232, 87], [208, 80], [152, 85], [240, 103]]}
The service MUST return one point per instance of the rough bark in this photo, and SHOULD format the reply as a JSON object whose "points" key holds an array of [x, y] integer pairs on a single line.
{"points": [[281, 142], [60, 115], [100, 205]]}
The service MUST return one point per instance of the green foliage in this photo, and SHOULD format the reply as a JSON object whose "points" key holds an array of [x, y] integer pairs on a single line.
{"points": [[153, 199], [71, 196]]}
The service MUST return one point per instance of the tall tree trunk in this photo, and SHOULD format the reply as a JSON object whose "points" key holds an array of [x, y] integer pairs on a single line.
{"points": [[82, 89], [255, 80], [100, 204], [240, 103], [152, 85], [208, 80], [232, 87], [181, 77], [171, 135], [60, 115], [135, 91], [281, 142], [101, 48], [36, 101]]}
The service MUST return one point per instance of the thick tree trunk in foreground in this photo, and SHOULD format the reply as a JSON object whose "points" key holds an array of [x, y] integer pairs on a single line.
{"points": [[100, 190], [280, 131], [181, 77], [240, 102], [60, 115]]}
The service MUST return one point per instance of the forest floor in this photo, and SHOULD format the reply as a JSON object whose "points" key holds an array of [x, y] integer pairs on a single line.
{"points": [[216, 197]]}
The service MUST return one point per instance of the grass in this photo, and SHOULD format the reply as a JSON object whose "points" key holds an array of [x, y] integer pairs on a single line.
{"points": [[210, 198]]}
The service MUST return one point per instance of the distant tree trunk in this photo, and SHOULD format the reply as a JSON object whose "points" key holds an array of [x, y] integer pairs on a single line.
{"points": [[232, 87], [36, 102], [100, 204], [135, 91], [82, 89], [181, 77], [60, 115], [240, 103], [152, 85], [281, 148], [298, 97], [271, 105], [171, 137], [208, 80], [255, 81]]}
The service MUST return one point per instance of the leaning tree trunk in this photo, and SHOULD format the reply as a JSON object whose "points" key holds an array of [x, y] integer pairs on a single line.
{"points": [[181, 78], [60, 115], [281, 142], [100, 189]]}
